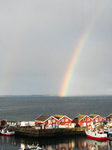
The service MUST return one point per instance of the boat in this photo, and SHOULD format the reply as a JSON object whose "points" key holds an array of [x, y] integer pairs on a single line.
{"points": [[96, 134], [109, 135], [7, 132]]}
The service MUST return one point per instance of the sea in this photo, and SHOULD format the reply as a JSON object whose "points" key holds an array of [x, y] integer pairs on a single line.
{"points": [[29, 107]]}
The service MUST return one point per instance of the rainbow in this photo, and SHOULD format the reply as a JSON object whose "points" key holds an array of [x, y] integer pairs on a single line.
{"points": [[78, 50]]}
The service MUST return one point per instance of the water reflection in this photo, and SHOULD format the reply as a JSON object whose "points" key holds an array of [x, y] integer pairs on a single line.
{"points": [[59, 143], [97, 145], [8, 143]]}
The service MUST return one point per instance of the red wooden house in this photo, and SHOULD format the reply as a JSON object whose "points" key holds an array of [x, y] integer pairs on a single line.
{"points": [[63, 121], [82, 120], [3, 122], [45, 122], [96, 118]]}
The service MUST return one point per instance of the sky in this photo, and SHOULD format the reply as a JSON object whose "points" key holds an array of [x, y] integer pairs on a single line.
{"points": [[37, 42]]}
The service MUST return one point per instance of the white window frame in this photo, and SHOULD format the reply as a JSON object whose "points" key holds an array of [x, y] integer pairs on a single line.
{"points": [[84, 119], [49, 121]]}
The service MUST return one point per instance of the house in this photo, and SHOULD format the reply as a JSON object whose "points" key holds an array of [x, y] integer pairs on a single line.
{"points": [[26, 123], [46, 122], [96, 118], [109, 117], [11, 123], [82, 120], [64, 121], [3, 122]]}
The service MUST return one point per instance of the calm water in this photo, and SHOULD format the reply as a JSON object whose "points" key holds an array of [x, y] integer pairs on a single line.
{"points": [[60, 143], [27, 108]]}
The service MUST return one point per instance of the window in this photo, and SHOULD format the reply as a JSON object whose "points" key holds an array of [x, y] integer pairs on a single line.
{"points": [[99, 119], [49, 121], [62, 120], [88, 119], [66, 120], [53, 121], [84, 119]]}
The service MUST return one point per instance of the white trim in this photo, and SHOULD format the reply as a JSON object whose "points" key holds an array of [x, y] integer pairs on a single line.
{"points": [[65, 116], [86, 116], [50, 117]]}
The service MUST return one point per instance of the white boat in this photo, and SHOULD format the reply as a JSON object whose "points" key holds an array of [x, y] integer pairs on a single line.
{"points": [[96, 134], [7, 132]]}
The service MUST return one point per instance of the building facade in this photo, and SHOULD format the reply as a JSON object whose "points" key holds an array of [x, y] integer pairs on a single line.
{"points": [[46, 122], [63, 121], [82, 120]]}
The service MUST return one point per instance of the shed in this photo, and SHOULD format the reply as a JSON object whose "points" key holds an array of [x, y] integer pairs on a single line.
{"points": [[64, 121], [109, 117], [82, 120], [96, 118], [44, 121]]}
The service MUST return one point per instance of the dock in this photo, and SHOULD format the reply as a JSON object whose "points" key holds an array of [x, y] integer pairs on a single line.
{"points": [[30, 132]]}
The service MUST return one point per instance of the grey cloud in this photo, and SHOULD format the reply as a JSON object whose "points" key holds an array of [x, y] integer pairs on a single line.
{"points": [[37, 40]]}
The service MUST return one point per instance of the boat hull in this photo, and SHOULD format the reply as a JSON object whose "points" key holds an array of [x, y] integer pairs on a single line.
{"points": [[7, 134], [96, 136], [109, 135]]}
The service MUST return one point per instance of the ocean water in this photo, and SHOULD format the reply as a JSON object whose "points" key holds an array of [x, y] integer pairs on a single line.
{"points": [[60, 143], [27, 108]]}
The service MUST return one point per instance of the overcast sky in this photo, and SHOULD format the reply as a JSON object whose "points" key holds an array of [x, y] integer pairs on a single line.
{"points": [[38, 38]]}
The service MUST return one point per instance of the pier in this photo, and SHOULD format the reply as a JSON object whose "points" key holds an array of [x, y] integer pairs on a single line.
{"points": [[48, 132]]}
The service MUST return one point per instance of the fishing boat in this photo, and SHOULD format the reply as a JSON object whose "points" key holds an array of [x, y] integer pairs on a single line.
{"points": [[7, 132], [96, 134]]}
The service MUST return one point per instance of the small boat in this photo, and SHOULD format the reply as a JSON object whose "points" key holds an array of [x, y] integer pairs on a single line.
{"points": [[96, 134], [109, 135], [7, 132]]}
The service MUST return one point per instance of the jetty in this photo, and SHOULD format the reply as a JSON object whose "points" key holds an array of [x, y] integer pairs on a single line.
{"points": [[48, 132]]}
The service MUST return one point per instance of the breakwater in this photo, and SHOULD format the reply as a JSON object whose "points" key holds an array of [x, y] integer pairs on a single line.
{"points": [[49, 132]]}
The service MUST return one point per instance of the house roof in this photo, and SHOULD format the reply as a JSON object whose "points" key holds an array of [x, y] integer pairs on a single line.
{"points": [[42, 117], [58, 116], [80, 117], [109, 116], [93, 115]]}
